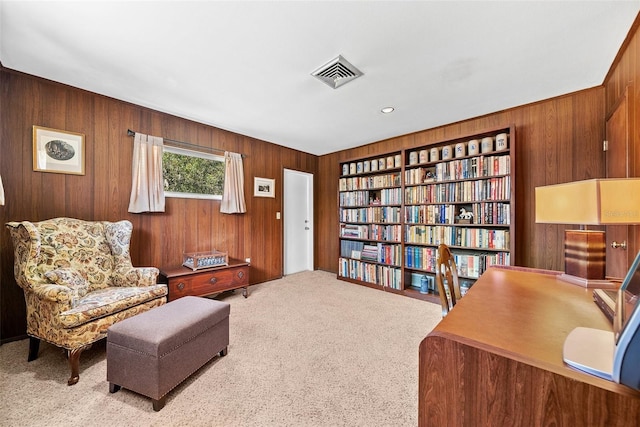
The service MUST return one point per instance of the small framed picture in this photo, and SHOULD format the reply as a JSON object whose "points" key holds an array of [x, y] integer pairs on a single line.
{"points": [[264, 187], [58, 151]]}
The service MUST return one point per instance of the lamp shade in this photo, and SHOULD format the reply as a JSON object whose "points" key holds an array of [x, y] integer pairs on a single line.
{"points": [[590, 202]]}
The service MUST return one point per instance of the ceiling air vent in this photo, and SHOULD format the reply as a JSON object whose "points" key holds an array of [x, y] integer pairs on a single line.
{"points": [[337, 72]]}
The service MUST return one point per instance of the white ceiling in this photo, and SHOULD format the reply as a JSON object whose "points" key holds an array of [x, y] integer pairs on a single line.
{"points": [[245, 66]]}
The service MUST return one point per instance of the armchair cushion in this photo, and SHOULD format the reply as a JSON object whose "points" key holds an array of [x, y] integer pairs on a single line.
{"points": [[72, 279], [102, 302]]}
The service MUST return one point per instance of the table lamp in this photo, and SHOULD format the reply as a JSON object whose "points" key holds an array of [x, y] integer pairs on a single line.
{"points": [[612, 201]]}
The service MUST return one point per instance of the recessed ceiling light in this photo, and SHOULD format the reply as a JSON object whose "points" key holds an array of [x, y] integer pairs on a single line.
{"points": [[387, 110]]}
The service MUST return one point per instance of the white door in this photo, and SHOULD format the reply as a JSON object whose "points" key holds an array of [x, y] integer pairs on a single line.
{"points": [[298, 221]]}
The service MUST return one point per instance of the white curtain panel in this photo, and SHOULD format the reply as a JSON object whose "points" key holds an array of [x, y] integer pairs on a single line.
{"points": [[147, 190], [233, 194]]}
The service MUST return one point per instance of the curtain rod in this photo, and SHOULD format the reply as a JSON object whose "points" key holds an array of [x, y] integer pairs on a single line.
{"points": [[184, 144]]}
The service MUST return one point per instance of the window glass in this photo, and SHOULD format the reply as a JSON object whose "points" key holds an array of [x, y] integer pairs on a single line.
{"points": [[192, 174]]}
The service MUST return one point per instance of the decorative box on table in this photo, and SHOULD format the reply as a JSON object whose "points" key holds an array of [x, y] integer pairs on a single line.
{"points": [[208, 259]]}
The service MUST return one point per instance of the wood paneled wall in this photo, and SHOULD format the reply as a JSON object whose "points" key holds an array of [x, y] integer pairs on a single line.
{"points": [[557, 140], [103, 193]]}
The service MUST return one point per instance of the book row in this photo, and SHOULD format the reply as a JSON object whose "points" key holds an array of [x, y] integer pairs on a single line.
{"points": [[486, 213], [473, 238], [369, 182], [388, 196], [379, 214], [475, 167], [354, 231], [467, 265], [419, 175], [422, 258], [372, 273], [472, 266], [462, 191], [379, 253], [391, 233]]}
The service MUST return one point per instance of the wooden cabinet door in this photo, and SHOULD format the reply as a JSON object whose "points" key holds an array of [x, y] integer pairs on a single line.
{"points": [[617, 164]]}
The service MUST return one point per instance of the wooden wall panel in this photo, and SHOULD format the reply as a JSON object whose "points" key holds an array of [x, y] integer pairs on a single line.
{"points": [[557, 140], [103, 192]]}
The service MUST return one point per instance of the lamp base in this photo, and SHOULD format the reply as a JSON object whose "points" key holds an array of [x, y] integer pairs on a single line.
{"points": [[584, 257], [588, 283]]}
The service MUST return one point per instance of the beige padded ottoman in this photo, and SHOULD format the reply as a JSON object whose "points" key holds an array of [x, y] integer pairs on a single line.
{"points": [[153, 352]]}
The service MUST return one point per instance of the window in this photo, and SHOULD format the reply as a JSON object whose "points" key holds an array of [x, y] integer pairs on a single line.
{"points": [[192, 174]]}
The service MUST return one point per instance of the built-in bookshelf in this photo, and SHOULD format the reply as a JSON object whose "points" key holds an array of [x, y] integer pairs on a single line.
{"points": [[458, 192], [394, 215], [370, 214]]}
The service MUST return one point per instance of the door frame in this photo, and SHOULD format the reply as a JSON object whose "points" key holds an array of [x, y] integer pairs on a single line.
{"points": [[310, 202]]}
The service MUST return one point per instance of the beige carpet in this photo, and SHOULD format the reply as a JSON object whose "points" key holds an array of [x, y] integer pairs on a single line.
{"points": [[305, 350]]}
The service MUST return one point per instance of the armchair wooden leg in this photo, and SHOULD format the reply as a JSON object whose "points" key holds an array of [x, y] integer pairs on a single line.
{"points": [[34, 347], [74, 363]]}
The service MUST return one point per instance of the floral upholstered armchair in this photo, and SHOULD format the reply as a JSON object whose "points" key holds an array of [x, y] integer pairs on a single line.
{"points": [[78, 280]]}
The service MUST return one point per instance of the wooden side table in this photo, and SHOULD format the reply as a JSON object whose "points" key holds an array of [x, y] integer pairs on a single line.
{"points": [[183, 281]]}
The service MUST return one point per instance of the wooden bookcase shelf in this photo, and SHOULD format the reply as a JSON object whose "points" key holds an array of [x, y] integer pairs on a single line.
{"points": [[370, 214], [395, 208]]}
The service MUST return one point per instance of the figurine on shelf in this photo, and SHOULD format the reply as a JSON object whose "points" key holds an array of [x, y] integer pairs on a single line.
{"points": [[465, 217], [430, 176]]}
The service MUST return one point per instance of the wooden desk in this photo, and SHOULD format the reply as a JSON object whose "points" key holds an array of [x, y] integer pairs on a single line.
{"points": [[496, 359]]}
